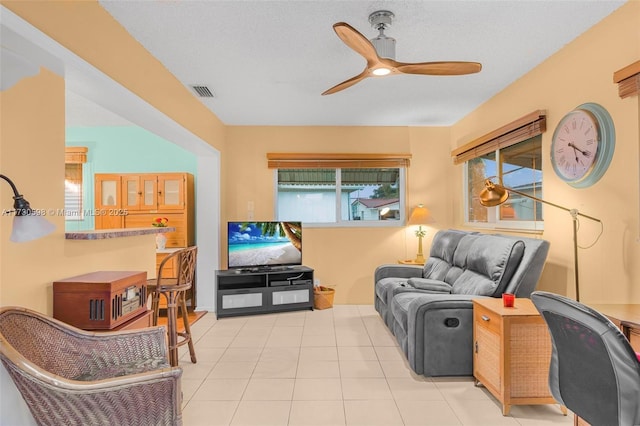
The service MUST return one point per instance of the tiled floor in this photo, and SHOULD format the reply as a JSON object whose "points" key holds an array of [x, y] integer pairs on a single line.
{"points": [[339, 366]]}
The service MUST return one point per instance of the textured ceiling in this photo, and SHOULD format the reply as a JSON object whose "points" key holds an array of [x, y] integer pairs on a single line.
{"points": [[267, 62]]}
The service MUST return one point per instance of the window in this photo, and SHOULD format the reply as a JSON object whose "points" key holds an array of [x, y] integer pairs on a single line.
{"points": [[511, 156], [351, 195], [518, 167], [75, 157]]}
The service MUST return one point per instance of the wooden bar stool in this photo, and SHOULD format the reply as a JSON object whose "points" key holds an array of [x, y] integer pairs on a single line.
{"points": [[174, 290]]}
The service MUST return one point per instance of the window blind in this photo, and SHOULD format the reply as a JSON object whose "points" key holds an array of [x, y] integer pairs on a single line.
{"points": [[75, 157], [628, 80], [336, 161], [526, 127]]}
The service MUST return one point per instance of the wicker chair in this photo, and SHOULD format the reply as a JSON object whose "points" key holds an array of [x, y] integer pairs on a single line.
{"points": [[175, 290], [74, 377]]}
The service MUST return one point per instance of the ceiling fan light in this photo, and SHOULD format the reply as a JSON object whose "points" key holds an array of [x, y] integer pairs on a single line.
{"points": [[381, 71]]}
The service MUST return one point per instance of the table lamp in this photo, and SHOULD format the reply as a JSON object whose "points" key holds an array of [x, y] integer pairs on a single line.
{"points": [[420, 215]]}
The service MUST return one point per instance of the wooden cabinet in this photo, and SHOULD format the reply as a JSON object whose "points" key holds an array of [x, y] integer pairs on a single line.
{"points": [[171, 192], [154, 192], [142, 197], [183, 236], [108, 199], [512, 351], [140, 192]]}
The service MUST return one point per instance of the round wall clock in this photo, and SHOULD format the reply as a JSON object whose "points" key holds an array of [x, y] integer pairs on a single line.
{"points": [[582, 145]]}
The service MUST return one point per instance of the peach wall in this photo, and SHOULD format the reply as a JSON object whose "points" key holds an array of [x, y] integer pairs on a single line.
{"points": [[28, 152], [342, 257], [581, 72], [85, 28], [33, 157]]}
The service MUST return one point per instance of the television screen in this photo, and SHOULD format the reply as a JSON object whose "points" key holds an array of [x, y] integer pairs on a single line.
{"points": [[264, 244]]}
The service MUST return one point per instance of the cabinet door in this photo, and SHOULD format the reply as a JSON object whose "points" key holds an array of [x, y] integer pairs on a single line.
{"points": [[149, 193], [107, 199], [171, 191], [487, 348], [140, 192], [131, 192]]}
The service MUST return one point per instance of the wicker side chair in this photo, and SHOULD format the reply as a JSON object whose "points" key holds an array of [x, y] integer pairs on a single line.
{"points": [[74, 377]]}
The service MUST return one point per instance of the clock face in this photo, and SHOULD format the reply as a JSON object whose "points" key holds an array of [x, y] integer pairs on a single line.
{"points": [[575, 145]]}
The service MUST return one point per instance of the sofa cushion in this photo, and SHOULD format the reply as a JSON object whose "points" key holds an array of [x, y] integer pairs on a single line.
{"points": [[400, 309], [490, 264], [459, 262], [430, 285], [383, 285], [441, 254]]}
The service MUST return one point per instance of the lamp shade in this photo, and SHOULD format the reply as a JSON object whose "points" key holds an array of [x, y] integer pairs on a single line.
{"points": [[420, 215], [493, 195], [30, 227]]}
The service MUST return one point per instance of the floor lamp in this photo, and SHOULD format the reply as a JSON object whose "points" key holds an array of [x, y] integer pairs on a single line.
{"points": [[27, 224], [495, 194]]}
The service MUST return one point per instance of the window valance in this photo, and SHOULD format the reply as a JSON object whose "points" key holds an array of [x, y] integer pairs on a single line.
{"points": [[526, 127], [288, 160], [75, 154], [628, 80]]}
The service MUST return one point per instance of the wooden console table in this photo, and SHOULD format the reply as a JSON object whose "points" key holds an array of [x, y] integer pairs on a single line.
{"points": [[625, 316]]}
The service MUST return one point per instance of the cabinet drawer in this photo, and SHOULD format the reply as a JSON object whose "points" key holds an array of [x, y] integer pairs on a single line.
{"points": [[487, 319], [176, 239], [290, 296], [242, 300]]}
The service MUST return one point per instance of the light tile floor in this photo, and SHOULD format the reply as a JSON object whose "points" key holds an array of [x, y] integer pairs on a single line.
{"points": [[333, 367]]}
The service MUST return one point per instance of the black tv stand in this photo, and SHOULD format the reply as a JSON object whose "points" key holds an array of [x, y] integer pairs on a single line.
{"points": [[263, 290], [264, 269]]}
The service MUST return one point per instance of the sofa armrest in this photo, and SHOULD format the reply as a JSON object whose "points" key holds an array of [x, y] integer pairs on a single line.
{"points": [[441, 331], [396, 271], [428, 284]]}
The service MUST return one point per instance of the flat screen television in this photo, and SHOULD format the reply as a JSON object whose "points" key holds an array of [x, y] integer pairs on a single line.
{"points": [[264, 244]]}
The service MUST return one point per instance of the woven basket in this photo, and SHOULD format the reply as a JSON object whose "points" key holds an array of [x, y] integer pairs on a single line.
{"points": [[323, 297]]}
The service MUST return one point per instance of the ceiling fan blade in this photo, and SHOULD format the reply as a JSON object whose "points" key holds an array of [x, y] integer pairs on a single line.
{"points": [[355, 40], [347, 83], [439, 68]]}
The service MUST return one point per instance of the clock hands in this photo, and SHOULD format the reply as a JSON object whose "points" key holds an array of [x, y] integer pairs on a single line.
{"points": [[575, 151], [586, 153]]}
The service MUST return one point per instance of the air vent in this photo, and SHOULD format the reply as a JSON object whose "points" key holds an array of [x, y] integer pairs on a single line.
{"points": [[202, 91]]}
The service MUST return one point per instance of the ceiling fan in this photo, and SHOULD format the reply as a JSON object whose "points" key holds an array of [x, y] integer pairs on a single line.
{"points": [[380, 54]]}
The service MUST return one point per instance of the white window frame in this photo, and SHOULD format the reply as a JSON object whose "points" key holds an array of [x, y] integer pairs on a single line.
{"points": [[352, 223]]}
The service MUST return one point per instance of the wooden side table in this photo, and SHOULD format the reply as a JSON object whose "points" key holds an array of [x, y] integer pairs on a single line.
{"points": [[410, 262], [511, 352]]}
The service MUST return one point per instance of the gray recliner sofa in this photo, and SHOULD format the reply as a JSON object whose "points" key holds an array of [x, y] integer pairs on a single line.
{"points": [[429, 309]]}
